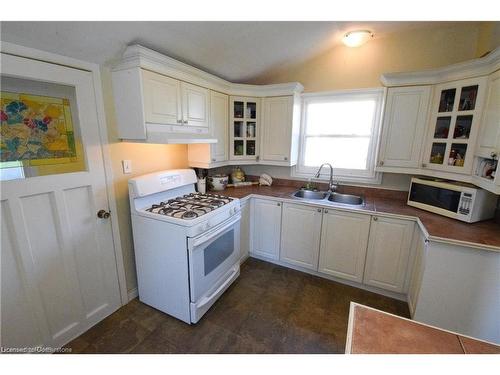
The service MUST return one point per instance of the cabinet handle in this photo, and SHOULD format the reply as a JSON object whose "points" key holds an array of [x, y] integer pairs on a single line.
{"points": [[279, 204], [185, 121], [179, 121], [326, 211], [424, 165], [381, 163], [213, 159], [285, 158], [319, 210], [257, 158], [375, 218]]}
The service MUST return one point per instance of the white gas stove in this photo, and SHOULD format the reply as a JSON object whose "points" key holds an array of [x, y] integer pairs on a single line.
{"points": [[186, 244]]}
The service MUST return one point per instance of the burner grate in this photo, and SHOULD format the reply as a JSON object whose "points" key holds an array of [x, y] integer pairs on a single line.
{"points": [[190, 206]]}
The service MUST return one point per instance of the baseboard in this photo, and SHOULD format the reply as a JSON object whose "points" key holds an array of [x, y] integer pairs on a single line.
{"points": [[132, 293], [387, 293]]}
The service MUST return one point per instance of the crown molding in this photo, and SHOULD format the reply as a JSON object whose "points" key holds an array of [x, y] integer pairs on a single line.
{"points": [[467, 69], [137, 56]]}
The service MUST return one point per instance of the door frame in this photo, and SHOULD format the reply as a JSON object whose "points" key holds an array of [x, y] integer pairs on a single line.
{"points": [[94, 69]]}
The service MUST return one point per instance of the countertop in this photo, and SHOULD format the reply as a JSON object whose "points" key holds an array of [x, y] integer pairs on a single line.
{"points": [[372, 331], [483, 234]]}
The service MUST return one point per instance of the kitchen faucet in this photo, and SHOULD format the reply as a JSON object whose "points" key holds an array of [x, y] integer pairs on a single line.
{"points": [[331, 186]]}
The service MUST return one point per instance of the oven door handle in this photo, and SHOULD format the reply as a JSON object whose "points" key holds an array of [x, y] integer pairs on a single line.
{"points": [[197, 241], [228, 279]]}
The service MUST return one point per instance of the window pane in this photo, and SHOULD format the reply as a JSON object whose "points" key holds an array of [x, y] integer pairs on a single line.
{"points": [[346, 153], [39, 129], [341, 117]]}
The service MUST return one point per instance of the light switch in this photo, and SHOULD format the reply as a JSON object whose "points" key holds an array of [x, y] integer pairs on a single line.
{"points": [[127, 166]]}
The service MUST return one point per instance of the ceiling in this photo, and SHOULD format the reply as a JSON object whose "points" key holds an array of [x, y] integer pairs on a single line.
{"points": [[236, 51]]}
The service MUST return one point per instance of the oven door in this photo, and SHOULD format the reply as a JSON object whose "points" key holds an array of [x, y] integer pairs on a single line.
{"points": [[214, 261]]}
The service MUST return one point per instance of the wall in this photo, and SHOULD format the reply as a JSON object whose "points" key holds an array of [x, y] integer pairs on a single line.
{"points": [[352, 68], [145, 158], [348, 68], [488, 38]]}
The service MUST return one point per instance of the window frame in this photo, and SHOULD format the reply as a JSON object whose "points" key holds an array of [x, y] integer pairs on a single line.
{"points": [[368, 175]]}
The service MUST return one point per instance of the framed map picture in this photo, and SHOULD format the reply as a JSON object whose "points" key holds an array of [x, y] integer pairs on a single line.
{"points": [[36, 130]]}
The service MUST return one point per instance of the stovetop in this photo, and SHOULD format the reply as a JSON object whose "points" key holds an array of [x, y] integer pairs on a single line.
{"points": [[190, 206]]}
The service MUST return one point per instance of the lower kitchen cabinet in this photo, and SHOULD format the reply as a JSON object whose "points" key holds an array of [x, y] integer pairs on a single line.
{"points": [[245, 230], [266, 228], [388, 253], [420, 248], [344, 239], [300, 235]]}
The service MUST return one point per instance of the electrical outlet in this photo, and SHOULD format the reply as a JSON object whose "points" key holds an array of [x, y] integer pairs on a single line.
{"points": [[127, 166]]}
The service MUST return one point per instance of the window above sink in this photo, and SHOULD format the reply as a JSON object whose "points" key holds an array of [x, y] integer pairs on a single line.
{"points": [[341, 128]]}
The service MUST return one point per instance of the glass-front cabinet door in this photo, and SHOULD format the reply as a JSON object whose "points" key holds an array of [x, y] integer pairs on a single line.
{"points": [[244, 128], [454, 123]]}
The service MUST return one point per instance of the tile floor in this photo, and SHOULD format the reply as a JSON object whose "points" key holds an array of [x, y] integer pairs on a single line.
{"points": [[269, 309]]}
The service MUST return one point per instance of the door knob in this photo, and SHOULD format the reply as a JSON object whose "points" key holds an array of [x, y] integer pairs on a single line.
{"points": [[103, 214]]}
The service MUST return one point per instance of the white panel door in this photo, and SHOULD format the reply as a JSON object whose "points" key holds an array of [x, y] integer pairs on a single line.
{"points": [[245, 230], [266, 228], [388, 253], [344, 240], [300, 235], [57, 255], [403, 129], [219, 122], [162, 99], [277, 128], [195, 105]]}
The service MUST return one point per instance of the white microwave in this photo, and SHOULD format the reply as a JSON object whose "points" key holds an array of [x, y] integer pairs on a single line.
{"points": [[458, 201]]}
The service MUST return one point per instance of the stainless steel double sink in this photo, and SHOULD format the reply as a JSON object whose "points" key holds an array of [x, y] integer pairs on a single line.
{"points": [[328, 197]]}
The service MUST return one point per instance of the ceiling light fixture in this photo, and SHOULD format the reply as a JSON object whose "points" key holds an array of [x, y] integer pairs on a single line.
{"points": [[357, 38]]}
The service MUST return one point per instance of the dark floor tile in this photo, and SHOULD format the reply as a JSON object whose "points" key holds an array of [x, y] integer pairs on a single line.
{"points": [[77, 346], [144, 315], [156, 343], [121, 339], [268, 309]]}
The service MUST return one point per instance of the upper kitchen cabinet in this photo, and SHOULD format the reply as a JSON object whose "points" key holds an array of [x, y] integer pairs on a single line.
{"points": [[454, 125], [161, 100], [462, 126], [155, 108], [244, 133], [488, 144], [403, 129], [215, 154], [280, 130], [171, 102], [485, 169]]}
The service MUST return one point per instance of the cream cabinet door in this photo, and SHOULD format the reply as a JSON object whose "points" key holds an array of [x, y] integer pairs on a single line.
{"points": [[420, 248], [219, 122], [245, 230], [388, 253], [266, 228], [454, 125], [277, 128], [344, 240], [300, 235], [162, 99], [403, 129], [489, 134], [195, 105]]}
